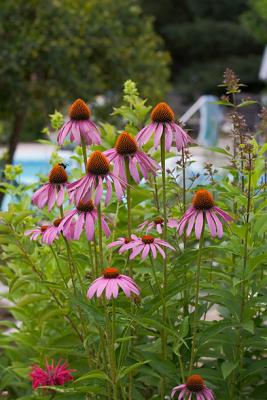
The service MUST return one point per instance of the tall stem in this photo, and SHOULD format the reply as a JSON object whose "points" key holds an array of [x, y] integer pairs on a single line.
{"points": [[59, 267], [185, 294], [164, 236], [89, 243], [100, 243], [193, 348], [113, 355], [129, 211]]}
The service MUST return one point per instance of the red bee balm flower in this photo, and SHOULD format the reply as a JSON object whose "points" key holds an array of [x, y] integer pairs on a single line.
{"points": [[79, 126], [53, 191], [203, 206], [162, 120], [194, 388], [50, 376]]}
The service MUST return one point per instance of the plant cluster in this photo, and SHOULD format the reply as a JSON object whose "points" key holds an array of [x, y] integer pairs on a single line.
{"points": [[129, 281]]}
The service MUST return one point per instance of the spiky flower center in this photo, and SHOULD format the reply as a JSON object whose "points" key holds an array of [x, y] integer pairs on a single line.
{"points": [[57, 222], [126, 144], [195, 383], [97, 164], [44, 228], [79, 110], [203, 200], [87, 206], [147, 239], [162, 112], [58, 175], [158, 221], [127, 240], [110, 273]]}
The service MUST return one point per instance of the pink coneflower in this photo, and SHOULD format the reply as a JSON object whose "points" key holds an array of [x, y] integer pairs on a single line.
{"points": [[126, 149], [50, 376], [157, 223], [36, 232], [53, 191], [121, 241], [111, 281], [145, 244], [98, 172], [79, 126], [83, 217], [162, 121], [203, 208], [49, 233], [194, 388]]}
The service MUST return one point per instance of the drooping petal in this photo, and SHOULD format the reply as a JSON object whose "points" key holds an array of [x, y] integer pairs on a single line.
{"points": [[211, 223], [199, 224]]}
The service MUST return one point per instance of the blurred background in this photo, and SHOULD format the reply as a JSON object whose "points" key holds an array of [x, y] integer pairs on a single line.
{"points": [[53, 51]]}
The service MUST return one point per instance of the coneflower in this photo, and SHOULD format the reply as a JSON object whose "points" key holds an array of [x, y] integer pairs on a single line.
{"points": [[98, 171], [110, 282], [83, 217], [127, 149], [163, 122], [53, 191], [79, 126], [194, 389], [203, 208]]}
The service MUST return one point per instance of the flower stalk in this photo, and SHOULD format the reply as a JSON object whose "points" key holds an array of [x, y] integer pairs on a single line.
{"points": [[194, 330]]}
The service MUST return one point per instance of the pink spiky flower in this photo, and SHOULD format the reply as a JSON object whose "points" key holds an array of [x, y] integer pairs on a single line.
{"points": [[126, 149], [157, 223], [203, 209], [83, 217], [111, 282], [79, 126], [97, 173], [194, 388], [145, 245], [51, 375], [162, 122], [121, 241], [53, 191], [49, 233]]}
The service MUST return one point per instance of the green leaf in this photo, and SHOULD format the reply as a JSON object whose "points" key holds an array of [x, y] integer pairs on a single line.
{"points": [[95, 374], [227, 367], [127, 370]]}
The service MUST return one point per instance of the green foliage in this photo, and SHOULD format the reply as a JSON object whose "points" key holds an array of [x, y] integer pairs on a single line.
{"points": [[255, 19], [52, 318], [203, 38], [55, 51]]}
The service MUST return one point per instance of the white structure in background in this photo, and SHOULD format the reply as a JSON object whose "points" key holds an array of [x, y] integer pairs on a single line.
{"points": [[263, 67], [210, 119]]}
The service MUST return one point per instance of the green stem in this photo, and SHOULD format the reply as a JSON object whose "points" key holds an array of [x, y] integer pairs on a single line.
{"points": [[96, 257], [59, 267], [113, 355], [164, 236], [185, 293], [89, 244], [100, 243], [128, 196], [194, 334], [51, 291], [114, 230], [84, 154], [129, 214]]}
